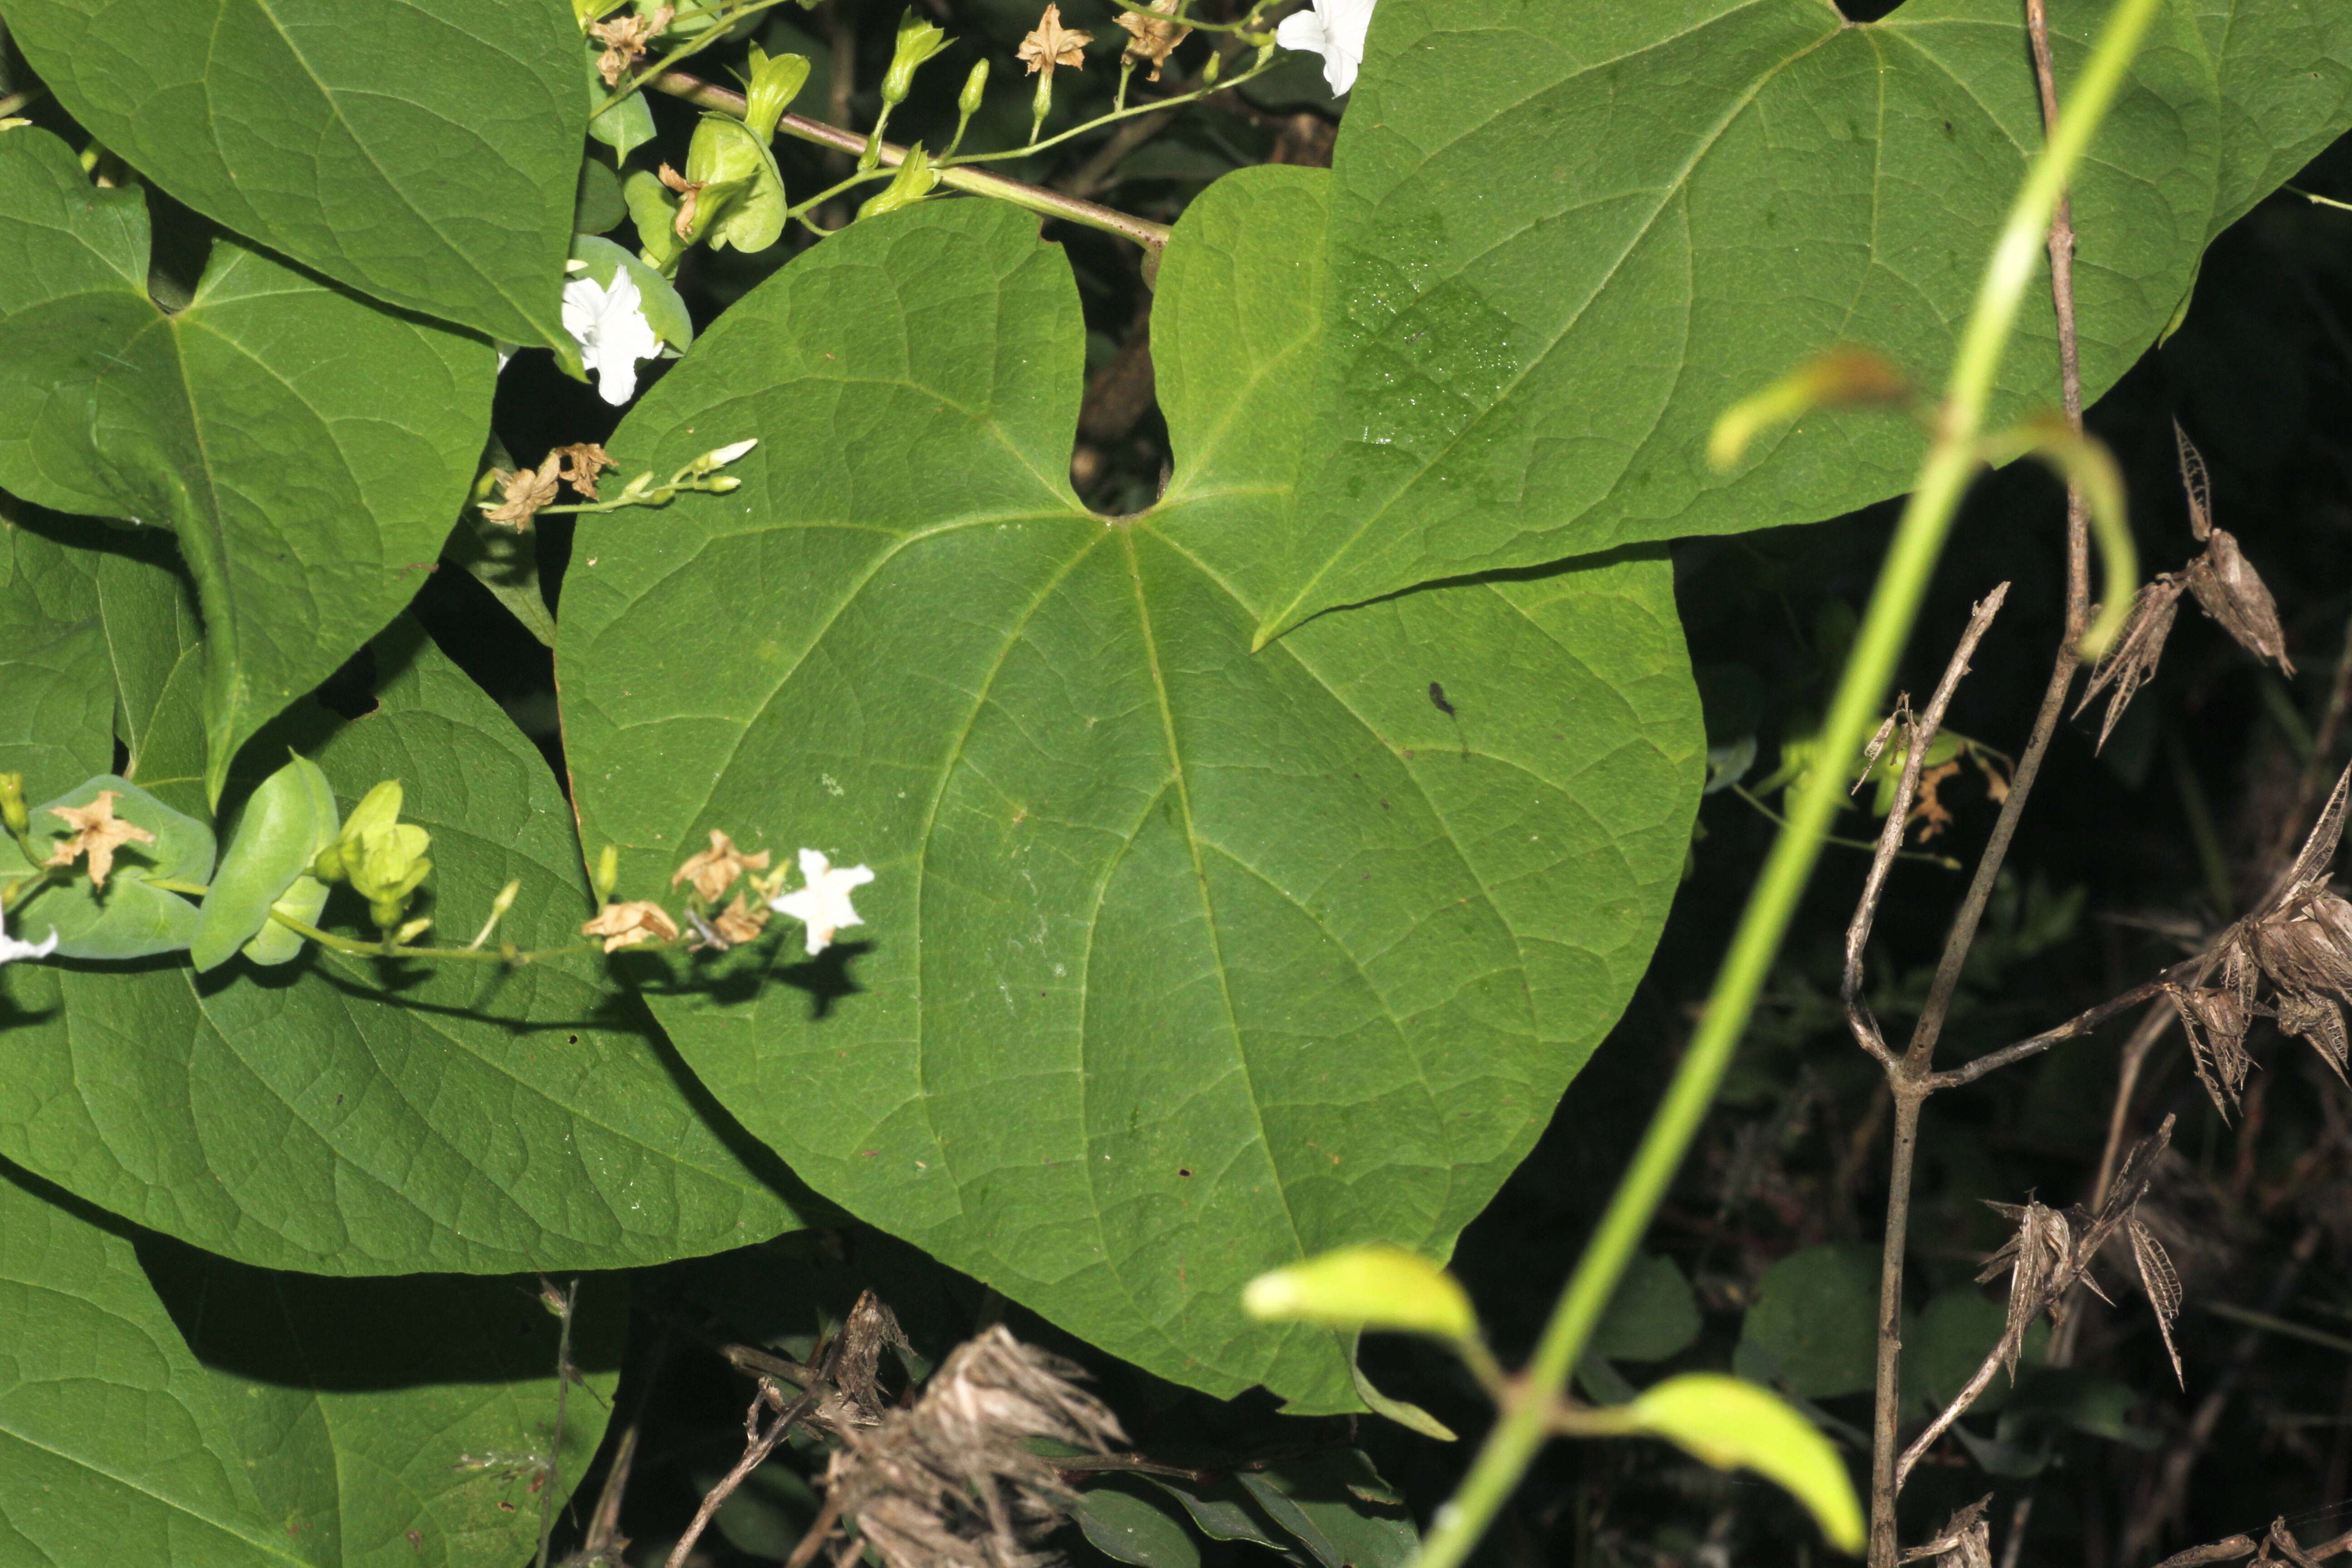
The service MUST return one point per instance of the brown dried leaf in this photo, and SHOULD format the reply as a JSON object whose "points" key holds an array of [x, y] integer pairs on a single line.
{"points": [[2309, 872], [2233, 593], [1929, 813], [2194, 481], [1965, 1541], [2132, 660], [2161, 1281]]}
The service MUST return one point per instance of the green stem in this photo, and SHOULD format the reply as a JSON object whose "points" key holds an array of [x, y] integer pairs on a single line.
{"points": [[351, 947], [1765, 809], [1911, 558], [173, 885], [1099, 120], [973, 182]]}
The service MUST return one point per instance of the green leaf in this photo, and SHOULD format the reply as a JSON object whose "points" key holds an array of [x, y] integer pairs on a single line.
{"points": [[286, 822], [155, 646], [596, 204], [1338, 1508], [420, 151], [1732, 1423], [2286, 71], [306, 449], [127, 917], [1130, 1522], [1570, 239], [627, 125], [1371, 1286], [344, 1120], [1181, 964], [1950, 1340], [1224, 1510], [1816, 1315], [56, 697], [166, 1406], [1652, 1317]]}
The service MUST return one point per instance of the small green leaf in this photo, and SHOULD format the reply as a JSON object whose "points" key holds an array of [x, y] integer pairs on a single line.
{"points": [[627, 125], [1652, 1317], [1734, 1425], [288, 819], [419, 151], [1816, 1315], [597, 203], [724, 155], [126, 919], [1130, 1522], [1371, 1286], [1336, 1505]]}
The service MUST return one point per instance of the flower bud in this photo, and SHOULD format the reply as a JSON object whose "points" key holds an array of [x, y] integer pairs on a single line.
{"points": [[1213, 71], [380, 807], [413, 930], [390, 864], [12, 805], [723, 484], [608, 872], [968, 100], [918, 40], [776, 80], [914, 180], [718, 457]]}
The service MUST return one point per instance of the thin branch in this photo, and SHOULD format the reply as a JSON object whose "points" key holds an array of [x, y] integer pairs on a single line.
{"points": [[2073, 1029], [978, 182], [757, 1445], [562, 1301]]}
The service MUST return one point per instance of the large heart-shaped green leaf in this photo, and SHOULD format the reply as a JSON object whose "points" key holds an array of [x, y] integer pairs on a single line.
{"points": [[2286, 71], [335, 1117], [57, 700], [1180, 962], [161, 1406], [421, 151], [1567, 238], [307, 449]]}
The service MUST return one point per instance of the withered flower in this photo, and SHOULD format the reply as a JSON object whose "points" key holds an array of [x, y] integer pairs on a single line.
{"points": [[949, 1481], [714, 870], [625, 39], [2233, 593], [625, 925], [690, 198], [2132, 658], [2038, 1260], [740, 922], [522, 493], [1051, 44], [1154, 37], [583, 461], [1931, 813], [2216, 1023], [1965, 1541], [97, 833]]}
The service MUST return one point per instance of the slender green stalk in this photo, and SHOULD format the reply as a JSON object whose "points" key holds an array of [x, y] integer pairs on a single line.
{"points": [[1099, 120], [1911, 559]]}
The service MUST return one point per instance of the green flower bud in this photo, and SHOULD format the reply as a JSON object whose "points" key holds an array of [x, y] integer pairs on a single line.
{"points": [[776, 80], [918, 40], [391, 862], [12, 804], [608, 872], [968, 100], [413, 930], [914, 180], [380, 807]]}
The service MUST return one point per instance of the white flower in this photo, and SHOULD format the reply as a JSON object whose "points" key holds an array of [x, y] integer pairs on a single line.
{"points": [[728, 454], [1334, 30], [611, 328], [11, 950], [823, 904]]}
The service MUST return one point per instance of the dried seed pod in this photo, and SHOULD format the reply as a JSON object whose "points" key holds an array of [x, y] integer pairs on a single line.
{"points": [[2039, 1260], [2318, 1023], [2233, 593], [2216, 1023], [2132, 658], [2195, 482], [1965, 1541], [2299, 954], [2161, 1282]]}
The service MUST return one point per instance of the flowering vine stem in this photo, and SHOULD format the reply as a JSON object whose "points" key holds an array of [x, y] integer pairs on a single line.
{"points": [[1099, 121], [975, 182], [1950, 463], [717, 30]]}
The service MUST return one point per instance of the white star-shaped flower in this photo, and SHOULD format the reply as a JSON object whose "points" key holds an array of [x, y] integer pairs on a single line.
{"points": [[822, 905], [610, 326], [1334, 30], [11, 950]]}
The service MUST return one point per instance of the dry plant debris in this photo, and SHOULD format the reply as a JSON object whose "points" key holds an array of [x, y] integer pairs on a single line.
{"points": [[1965, 1541]]}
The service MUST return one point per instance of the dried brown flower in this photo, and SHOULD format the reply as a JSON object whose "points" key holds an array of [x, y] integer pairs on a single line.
{"points": [[2039, 1260], [522, 493], [2233, 593], [1154, 37], [714, 870], [1050, 44], [625, 925], [2132, 658], [1965, 1541], [741, 922], [949, 1481], [689, 197], [625, 39], [2216, 1024], [1931, 813], [97, 833], [583, 461]]}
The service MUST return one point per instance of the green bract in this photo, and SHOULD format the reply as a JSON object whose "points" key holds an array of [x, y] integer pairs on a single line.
{"points": [[420, 151], [288, 819], [307, 449], [1181, 962], [127, 917], [744, 204]]}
